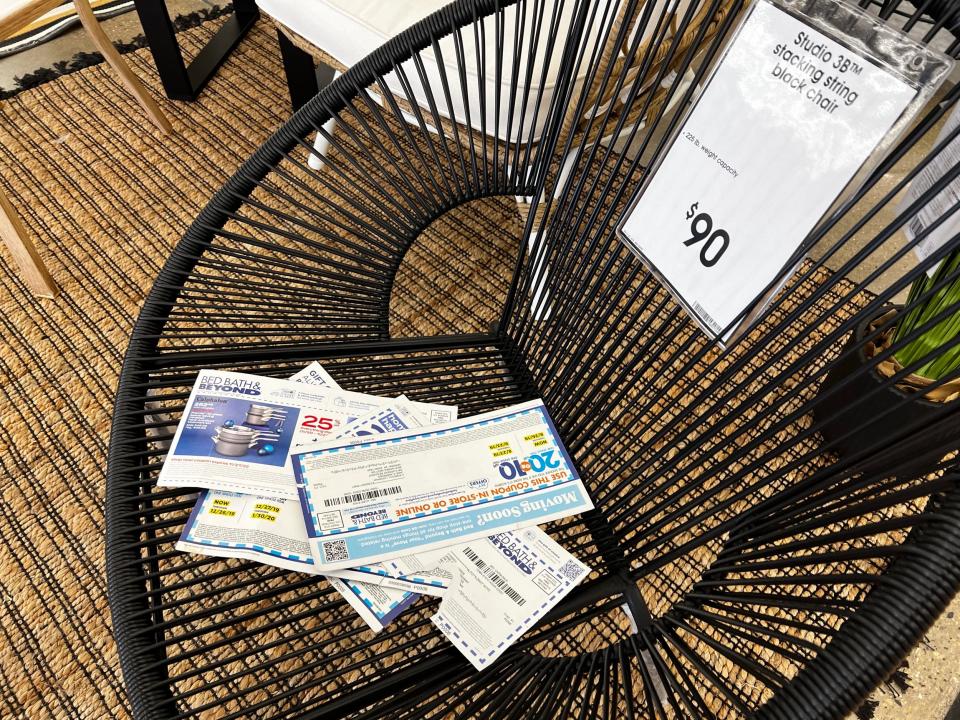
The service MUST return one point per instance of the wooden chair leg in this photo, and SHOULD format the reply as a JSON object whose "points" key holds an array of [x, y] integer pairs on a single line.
{"points": [[100, 39], [15, 237]]}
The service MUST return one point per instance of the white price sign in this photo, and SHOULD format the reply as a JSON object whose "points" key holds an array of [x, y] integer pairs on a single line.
{"points": [[788, 118]]}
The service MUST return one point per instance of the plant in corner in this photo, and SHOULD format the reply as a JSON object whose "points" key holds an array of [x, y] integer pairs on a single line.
{"points": [[945, 363], [860, 415]]}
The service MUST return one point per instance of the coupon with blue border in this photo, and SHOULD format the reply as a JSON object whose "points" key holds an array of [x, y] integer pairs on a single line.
{"points": [[369, 500], [270, 530], [504, 584], [395, 573], [377, 606]]}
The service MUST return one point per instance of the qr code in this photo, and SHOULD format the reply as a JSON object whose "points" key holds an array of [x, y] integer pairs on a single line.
{"points": [[571, 570], [335, 550]]}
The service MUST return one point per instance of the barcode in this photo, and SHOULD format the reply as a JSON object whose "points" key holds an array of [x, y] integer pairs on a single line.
{"points": [[361, 496], [705, 316], [916, 226], [493, 576]]}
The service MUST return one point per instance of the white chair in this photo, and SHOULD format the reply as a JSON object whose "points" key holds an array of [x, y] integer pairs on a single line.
{"points": [[338, 33]]}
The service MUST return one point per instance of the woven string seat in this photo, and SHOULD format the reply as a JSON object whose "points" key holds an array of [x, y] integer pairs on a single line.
{"points": [[740, 568]]}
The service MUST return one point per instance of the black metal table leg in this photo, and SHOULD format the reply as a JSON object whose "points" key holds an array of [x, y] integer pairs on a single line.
{"points": [[182, 81], [305, 78]]}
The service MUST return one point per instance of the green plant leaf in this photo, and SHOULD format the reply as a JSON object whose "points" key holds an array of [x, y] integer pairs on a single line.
{"points": [[930, 347]]}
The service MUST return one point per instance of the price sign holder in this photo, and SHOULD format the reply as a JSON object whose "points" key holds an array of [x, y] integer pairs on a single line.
{"points": [[804, 101]]}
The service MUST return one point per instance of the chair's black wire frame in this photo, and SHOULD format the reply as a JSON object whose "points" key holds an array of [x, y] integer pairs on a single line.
{"points": [[819, 575]]}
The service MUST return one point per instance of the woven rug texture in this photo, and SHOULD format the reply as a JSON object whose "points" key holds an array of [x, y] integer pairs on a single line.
{"points": [[106, 197]]}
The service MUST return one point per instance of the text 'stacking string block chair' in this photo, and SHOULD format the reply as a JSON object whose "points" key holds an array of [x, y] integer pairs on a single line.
{"points": [[740, 567]]}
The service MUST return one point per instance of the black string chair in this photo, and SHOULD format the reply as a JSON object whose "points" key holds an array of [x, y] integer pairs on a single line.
{"points": [[741, 566]]}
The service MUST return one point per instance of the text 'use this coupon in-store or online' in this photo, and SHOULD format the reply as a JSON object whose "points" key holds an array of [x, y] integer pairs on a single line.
{"points": [[373, 500]]}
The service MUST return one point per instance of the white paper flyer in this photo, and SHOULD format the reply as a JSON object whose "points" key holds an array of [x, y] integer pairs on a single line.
{"points": [[256, 527], [504, 585], [237, 430], [271, 531], [315, 374], [373, 500], [377, 606]]}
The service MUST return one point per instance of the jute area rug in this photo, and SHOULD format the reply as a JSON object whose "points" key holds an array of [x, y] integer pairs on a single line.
{"points": [[106, 198]]}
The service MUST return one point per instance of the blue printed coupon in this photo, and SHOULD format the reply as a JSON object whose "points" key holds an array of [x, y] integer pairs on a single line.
{"points": [[270, 530], [368, 499]]}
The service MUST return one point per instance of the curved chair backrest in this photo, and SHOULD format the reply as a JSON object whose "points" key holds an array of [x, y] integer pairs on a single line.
{"points": [[762, 572]]}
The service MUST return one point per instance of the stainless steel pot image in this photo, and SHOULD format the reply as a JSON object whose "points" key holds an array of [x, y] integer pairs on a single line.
{"points": [[258, 414], [261, 414], [234, 441]]}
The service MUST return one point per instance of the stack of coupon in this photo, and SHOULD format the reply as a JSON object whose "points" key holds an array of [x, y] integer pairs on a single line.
{"points": [[387, 498]]}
